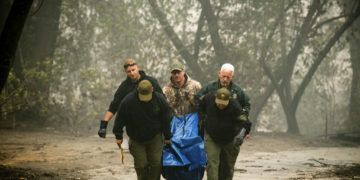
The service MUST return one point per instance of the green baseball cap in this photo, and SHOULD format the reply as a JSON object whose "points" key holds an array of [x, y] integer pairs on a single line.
{"points": [[222, 96], [177, 66], [145, 90]]}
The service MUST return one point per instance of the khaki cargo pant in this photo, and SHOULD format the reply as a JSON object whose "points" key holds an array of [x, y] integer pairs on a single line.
{"points": [[147, 157], [221, 159]]}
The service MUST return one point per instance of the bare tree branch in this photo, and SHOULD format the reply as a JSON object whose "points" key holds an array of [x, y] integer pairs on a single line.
{"points": [[261, 101], [298, 45], [330, 20], [212, 21], [322, 55], [198, 35], [179, 45], [266, 45]]}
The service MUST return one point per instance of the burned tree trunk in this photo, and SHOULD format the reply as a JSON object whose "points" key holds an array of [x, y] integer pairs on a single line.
{"points": [[10, 36]]}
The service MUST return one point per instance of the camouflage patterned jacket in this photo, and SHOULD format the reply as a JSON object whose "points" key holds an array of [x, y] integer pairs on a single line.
{"points": [[181, 100]]}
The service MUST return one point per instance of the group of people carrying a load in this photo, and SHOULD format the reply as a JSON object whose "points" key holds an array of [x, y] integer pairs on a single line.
{"points": [[146, 110]]}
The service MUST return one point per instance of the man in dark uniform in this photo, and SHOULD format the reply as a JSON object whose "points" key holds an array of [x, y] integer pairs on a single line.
{"points": [[225, 77], [134, 76], [224, 119], [146, 116]]}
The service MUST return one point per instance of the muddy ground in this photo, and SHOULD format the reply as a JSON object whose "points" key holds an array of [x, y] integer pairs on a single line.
{"points": [[51, 154]]}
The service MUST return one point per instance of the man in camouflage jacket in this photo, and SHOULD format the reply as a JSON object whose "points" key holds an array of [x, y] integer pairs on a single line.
{"points": [[180, 91]]}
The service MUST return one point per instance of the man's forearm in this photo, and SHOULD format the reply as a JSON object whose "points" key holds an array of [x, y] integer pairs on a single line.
{"points": [[108, 115]]}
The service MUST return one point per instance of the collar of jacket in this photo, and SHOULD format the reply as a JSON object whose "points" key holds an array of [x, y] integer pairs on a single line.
{"points": [[142, 76], [219, 85]]}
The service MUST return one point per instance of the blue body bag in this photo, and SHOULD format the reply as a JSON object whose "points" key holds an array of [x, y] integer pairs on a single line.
{"points": [[186, 157]]}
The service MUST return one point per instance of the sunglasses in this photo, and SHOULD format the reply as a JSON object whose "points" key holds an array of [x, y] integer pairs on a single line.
{"points": [[128, 65]]}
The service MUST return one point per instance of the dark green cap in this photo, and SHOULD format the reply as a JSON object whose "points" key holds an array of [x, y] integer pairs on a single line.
{"points": [[177, 65], [145, 90], [222, 96]]}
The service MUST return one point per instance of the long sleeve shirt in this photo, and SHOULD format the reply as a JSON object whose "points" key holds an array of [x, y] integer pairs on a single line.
{"points": [[143, 120], [222, 124], [128, 86], [236, 93]]}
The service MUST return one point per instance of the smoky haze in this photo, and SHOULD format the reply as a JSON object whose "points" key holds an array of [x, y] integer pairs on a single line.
{"points": [[297, 60]]}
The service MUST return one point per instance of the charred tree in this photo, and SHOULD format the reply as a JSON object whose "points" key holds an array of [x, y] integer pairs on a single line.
{"points": [[10, 36], [353, 123]]}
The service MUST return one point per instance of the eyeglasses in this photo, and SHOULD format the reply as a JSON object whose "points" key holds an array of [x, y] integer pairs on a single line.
{"points": [[128, 65]]}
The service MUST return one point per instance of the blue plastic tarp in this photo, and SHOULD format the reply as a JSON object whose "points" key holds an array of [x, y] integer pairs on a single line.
{"points": [[187, 147]]}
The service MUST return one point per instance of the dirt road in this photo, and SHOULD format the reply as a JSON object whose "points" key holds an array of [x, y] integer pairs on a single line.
{"points": [[54, 155]]}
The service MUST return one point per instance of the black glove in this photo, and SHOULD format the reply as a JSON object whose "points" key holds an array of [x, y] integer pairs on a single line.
{"points": [[246, 111], [247, 126], [102, 130], [239, 138]]}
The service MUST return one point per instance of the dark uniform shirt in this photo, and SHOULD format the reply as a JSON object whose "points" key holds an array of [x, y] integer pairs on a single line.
{"points": [[235, 90], [143, 120], [222, 125], [127, 86]]}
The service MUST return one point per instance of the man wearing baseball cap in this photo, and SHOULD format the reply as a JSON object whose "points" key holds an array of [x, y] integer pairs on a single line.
{"points": [[222, 123], [134, 76], [146, 116], [180, 90], [225, 79]]}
